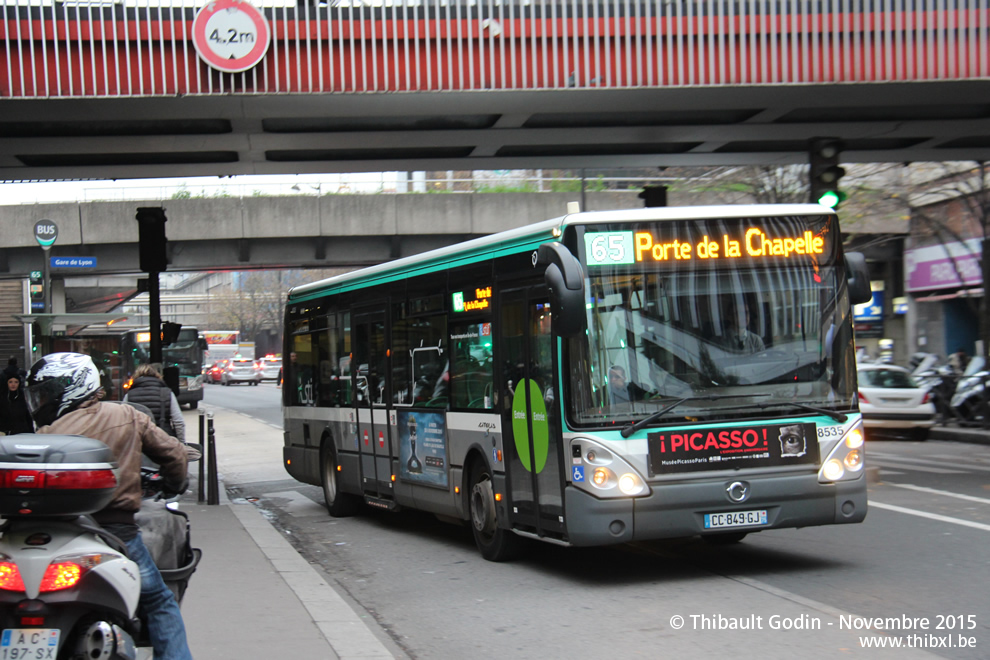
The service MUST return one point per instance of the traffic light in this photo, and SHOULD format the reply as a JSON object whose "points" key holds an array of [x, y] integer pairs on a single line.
{"points": [[653, 196], [151, 239], [825, 172], [170, 332]]}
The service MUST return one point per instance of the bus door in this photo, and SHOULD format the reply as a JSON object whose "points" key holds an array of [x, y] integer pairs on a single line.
{"points": [[531, 425], [371, 399]]}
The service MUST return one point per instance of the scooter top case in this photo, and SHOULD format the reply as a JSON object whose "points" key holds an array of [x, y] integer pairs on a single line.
{"points": [[54, 475]]}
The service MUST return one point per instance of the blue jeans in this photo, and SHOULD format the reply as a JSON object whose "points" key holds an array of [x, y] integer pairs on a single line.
{"points": [[158, 607]]}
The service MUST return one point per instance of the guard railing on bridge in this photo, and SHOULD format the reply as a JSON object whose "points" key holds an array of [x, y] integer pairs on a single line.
{"points": [[145, 47]]}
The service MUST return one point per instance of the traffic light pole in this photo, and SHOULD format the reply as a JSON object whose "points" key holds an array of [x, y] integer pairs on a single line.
{"points": [[153, 260], [155, 318]]}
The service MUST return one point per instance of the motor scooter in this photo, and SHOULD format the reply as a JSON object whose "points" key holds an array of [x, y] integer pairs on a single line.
{"points": [[940, 380], [971, 400], [68, 590]]}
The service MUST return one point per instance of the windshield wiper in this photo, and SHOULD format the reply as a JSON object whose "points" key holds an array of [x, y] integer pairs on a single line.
{"points": [[834, 414], [646, 421]]}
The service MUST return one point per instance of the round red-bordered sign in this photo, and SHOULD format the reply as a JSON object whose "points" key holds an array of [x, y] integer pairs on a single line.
{"points": [[231, 35]]}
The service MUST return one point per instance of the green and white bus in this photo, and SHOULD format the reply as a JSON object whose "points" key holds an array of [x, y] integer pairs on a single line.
{"points": [[599, 378]]}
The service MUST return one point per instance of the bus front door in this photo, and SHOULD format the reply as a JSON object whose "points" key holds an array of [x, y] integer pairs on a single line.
{"points": [[530, 423], [371, 399]]}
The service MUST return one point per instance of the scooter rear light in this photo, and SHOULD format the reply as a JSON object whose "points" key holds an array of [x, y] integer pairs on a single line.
{"points": [[61, 576], [10, 577], [67, 571], [80, 479], [57, 479], [35, 621]]}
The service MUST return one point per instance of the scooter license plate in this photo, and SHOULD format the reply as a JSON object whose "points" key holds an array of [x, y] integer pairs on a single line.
{"points": [[29, 644]]}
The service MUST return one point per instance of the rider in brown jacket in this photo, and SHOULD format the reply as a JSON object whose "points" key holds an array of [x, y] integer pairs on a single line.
{"points": [[63, 393]]}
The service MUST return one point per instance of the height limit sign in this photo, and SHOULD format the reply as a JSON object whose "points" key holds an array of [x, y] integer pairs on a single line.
{"points": [[230, 35]]}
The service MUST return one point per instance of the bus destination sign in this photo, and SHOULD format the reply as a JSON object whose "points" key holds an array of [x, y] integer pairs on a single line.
{"points": [[634, 247], [732, 448], [463, 301]]}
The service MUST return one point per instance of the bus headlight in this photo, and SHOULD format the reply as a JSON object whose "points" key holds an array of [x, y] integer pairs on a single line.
{"points": [[853, 460], [597, 469], [631, 484], [845, 461], [602, 477], [833, 470]]}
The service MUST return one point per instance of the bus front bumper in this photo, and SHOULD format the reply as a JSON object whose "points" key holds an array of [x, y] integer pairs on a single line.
{"points": [[678, 509]]}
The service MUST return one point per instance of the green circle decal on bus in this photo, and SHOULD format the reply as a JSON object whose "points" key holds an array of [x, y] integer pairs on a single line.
{"points": [[520, 426]]}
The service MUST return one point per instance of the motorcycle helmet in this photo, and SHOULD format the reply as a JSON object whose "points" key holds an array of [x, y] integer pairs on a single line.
{"points": [[58, 384]]}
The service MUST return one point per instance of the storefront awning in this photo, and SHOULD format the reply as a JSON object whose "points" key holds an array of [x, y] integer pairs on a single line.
{"points": [[46, 321], [976, 292]]}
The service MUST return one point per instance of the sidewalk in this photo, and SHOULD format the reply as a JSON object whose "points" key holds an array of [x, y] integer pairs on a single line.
{"points": [[961, 434], [253, 595]]}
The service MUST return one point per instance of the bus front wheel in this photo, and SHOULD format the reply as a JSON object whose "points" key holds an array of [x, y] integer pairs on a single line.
{"points": [[495, 543], [340, 505]]}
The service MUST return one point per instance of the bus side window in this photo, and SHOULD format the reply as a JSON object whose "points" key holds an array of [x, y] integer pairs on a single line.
{"points": [[472, 375], [429, 364]]}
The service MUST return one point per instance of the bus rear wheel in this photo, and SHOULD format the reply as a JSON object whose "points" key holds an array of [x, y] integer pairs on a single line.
{"points": [[340, 505], [495, 543]]}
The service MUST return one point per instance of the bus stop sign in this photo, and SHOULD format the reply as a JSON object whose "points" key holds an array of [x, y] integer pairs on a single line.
{"points": [[45, 232]]}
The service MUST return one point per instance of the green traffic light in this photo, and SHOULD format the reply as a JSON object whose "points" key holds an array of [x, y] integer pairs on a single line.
{"points": [[831, 198]]}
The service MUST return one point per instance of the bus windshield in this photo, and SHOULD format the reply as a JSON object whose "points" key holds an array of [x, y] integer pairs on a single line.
{"points": [[185, 352], [710, 339]]}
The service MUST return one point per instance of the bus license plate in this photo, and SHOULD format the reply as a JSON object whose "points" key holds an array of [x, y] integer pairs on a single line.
{"points": [[735, 519], [23, 643]]}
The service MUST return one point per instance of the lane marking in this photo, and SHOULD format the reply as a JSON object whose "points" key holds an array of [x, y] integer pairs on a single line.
{"points": [[931, 516], [903, 459], [947, 457], [917, 468], [935, 491]]}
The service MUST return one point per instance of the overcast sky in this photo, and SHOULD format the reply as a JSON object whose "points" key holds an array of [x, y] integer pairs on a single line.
{"points": [[161, 189]]}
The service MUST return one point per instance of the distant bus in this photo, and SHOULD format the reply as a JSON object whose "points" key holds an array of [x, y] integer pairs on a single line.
{"points": [[186, 353], [599, 378]]}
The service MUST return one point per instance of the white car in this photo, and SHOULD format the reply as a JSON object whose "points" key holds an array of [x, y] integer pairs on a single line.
{"points": [[891, 401], [240, 370], [270, 367]]}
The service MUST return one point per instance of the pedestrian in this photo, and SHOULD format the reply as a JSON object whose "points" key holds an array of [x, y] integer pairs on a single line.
{"points": [[959, 360], [148, 388], [14, 414], [63, 393], [12, 366]]}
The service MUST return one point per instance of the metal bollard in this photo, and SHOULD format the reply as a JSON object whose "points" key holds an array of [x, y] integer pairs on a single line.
{"points": [[202, 459], [214, 495]]}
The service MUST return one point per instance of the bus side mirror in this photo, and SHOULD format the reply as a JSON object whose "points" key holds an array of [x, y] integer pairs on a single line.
{"points": [[202, 345], [565, 282], [858, 278]]}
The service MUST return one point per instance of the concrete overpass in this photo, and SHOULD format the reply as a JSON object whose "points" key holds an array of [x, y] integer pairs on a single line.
{"points": [[263, 232], [117, 90]]}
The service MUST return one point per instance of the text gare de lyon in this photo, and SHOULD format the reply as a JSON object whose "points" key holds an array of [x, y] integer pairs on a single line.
{"points": [[755, 244]]}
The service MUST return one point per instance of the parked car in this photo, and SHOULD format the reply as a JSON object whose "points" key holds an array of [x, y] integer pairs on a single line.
{"points": [[240, 370], [270, 367], [892, 402]]}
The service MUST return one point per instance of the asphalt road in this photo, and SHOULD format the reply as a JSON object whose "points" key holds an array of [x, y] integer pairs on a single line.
{"points": [[919, 563]]}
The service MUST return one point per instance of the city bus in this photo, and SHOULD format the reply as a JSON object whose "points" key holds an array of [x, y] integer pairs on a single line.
{"points": [[185, 354], [581, 381]]}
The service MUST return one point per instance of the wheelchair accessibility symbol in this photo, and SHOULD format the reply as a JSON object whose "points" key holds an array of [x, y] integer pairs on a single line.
{"points": [[578, 474]]}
